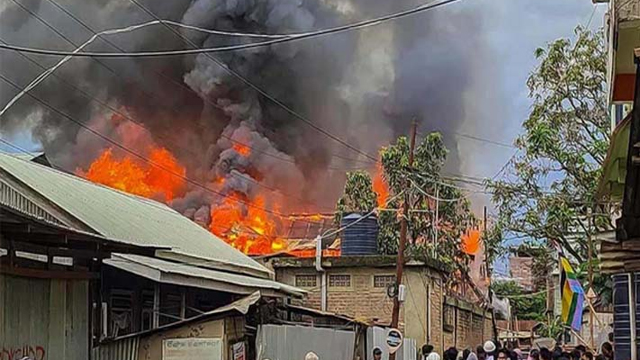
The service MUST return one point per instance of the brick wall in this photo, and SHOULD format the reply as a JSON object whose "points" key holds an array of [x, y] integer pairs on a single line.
{"points": [[365, 302], [521, 271], [471, 326]]}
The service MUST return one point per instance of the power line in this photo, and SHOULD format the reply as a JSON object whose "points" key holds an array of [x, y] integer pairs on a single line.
{"points": [[312, 34], [134, 153], [40, 78], [258, 89], [50, 71]]}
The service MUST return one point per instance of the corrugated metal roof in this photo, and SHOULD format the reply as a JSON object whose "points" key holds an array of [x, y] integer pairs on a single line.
{"points": [[161, 271], [118, 215]]}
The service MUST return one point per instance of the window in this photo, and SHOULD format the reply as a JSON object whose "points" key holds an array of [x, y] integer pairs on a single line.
{"points": [[382, 281], [448, 314], [339, 280], [306, 281]]}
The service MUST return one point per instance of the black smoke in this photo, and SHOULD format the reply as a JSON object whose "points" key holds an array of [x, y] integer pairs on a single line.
{"points": [[364, 86]]}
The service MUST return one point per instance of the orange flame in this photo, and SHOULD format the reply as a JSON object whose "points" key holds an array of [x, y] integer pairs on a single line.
{"points": [[139, 179], [380, 186], [470, 241], [246, 225], [242, 149]]}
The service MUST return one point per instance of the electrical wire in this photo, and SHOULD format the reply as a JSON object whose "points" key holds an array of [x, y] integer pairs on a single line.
{"points": [[134, 153], [311, 34], [177, 145], [246, 81]]}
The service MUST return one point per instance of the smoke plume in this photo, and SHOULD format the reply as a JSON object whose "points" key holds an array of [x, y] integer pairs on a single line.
{"points": [[365, 86]]}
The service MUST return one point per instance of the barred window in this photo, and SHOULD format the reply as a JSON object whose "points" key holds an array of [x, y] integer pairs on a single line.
{"points": [[339, 280], [448, 315], [382, 281], [306, 281]]}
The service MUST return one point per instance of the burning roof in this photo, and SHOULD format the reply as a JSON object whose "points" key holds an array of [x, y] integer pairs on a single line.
{"points": [[115, 214]]}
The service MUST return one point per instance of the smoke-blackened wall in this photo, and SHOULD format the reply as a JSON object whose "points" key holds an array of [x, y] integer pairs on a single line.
{"points": [[364, 86]]}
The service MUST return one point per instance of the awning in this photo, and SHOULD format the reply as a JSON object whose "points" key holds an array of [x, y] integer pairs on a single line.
{"points": [[614, 170], [167, 272]]}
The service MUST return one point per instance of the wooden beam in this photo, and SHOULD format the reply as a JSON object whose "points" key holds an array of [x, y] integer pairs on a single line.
{"points": [[47, 274], [39, 238]]}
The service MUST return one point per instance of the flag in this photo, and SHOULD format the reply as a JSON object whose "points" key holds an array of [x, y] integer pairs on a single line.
{"points": [[572, 295]]}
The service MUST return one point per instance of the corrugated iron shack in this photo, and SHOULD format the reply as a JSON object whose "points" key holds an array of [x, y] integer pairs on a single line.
{"points": [[81, 264], [249, 328]]}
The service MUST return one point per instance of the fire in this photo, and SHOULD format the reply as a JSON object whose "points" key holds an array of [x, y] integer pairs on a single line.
{"points": [[137, 178], [380, 186], [242, 149], [246, 225], [470, 241]]}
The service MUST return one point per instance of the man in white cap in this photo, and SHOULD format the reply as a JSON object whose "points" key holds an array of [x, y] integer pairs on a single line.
{"points": [[490, 348], [311, 356]]}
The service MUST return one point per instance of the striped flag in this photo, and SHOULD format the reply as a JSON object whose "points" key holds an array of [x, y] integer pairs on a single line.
{"points": [[572, 295]]}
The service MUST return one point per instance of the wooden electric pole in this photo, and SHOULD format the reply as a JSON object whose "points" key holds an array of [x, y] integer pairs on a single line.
{"points": [[494, 326], [403, 237]]}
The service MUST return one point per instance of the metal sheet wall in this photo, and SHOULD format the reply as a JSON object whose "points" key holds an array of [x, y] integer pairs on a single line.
{"points": [[43, 319], [125, 349], [285, 342]]}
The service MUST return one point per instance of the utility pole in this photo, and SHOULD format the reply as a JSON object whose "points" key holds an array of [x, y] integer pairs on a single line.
{"points": [[403, 237], [590, 266], [494, 326]]}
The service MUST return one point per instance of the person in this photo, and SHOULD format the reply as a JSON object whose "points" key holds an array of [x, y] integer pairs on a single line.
{"points": [[377, 354], [502, 354], [311, 356], [465, 354], [534, 354], [587, 355], [582, 349], [545, 354], [472, 356], [426, 350], [480, 352], [450, 354], [607, 350], [600, 357], [575, 354], [433, 356], [489, 348]]}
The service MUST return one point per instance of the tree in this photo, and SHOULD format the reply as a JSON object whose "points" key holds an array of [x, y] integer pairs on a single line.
{"points": [[549, 189], [358, 195], [428, 237], [524, 306]]}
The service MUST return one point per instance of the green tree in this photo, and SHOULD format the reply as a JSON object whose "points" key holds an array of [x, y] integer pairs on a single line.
{"points": [[548, 190], [358, 195], [424, 181], [524, 306]]}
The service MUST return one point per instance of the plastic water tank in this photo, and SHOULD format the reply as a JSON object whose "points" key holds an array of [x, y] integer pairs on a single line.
{"points": [[360, 238]]}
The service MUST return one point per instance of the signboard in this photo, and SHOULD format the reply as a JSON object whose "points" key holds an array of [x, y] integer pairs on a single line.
{"points": [[238, 351], [394, 340], [192, 349]]}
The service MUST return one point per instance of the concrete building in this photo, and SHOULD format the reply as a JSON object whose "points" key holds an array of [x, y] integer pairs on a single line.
{"points": [[620, 249], [356, 286]]}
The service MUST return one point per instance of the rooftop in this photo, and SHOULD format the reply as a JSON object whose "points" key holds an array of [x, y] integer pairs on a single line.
{"points": [[354, 261], [83, 205]]}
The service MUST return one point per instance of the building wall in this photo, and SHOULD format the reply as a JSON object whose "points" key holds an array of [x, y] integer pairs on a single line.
{"points": [[521, 271], [151, 346], [43, 319], [421, 316], [471, 325]]}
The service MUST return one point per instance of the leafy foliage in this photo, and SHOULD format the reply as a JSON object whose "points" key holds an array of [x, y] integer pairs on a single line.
{"points": [[427, 237], [549, 191], [358, 195], [525, 307]]}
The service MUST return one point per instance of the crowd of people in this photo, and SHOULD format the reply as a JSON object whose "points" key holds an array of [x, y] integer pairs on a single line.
{"points": [[494, 351]]}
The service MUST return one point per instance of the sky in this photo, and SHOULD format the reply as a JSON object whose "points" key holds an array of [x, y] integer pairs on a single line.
{"points": [[512, 30]]}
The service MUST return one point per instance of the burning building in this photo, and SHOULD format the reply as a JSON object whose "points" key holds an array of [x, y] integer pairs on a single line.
{"points": [[226, 145]]}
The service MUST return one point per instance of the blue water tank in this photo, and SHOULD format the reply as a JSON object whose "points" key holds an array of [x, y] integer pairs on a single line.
{"points": [[360, 238]]}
